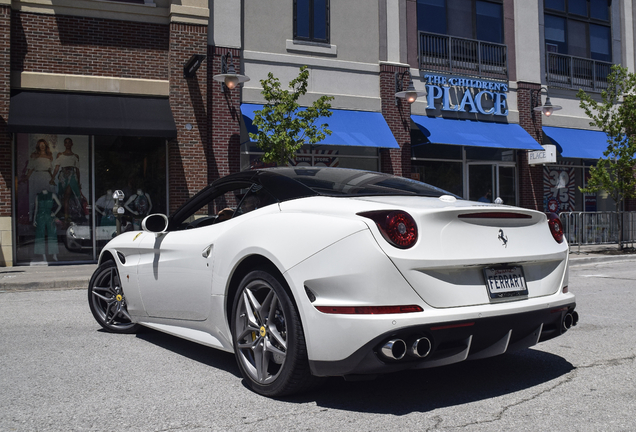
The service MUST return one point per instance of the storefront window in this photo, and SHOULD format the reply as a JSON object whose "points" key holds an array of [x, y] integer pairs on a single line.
{"points": [[442, 174], [52, 196], [490, 154], [137, 167], [476, 173], [436, 151], [561, 193], [56, 216]]}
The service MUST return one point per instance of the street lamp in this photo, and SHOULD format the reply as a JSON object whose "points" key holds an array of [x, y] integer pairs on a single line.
{"points": [[410, 94], [228, 76], [547, 109]]}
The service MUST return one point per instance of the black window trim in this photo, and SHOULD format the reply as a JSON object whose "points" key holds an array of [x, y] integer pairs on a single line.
{"points": [[311, 37], [587, 20]]}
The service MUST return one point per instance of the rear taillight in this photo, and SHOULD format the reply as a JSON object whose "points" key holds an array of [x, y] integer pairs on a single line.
{"points": [[397, 227], [556, 227]]}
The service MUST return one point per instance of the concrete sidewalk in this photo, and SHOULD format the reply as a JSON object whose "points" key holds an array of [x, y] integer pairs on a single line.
{"points": [[76, 276]]}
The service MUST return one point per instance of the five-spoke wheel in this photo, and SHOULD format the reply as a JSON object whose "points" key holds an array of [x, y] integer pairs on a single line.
{"points": [[107, 302], [268, 337]]}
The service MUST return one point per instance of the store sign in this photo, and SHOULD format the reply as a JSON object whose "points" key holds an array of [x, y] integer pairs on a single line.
{"points": [[539, 157], [477, 96]]}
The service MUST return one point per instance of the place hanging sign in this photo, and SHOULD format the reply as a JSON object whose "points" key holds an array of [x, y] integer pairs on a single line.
{"points": [[478, 96]]}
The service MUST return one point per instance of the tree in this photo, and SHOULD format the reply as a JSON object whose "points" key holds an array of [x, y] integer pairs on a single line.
{"points": [[615, 115], [283, 126]]}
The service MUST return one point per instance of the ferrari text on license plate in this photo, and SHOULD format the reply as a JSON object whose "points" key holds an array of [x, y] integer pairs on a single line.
{"points": [[505, 281]]}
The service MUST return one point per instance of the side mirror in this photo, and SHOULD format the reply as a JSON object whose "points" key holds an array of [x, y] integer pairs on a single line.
{"points": [[155, 223]]}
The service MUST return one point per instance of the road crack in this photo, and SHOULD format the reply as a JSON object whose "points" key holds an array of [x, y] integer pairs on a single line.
{"points": [[566, 380]]}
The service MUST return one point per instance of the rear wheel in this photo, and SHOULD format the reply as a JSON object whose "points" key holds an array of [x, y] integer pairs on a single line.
{"points": [[107, 301], [268, 337]]}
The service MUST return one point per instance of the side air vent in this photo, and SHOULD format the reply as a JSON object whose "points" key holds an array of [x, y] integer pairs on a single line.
{"points": [[122, 257]]}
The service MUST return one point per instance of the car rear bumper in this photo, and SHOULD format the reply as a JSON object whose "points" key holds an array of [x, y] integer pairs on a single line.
{"points": [[453, 342]]}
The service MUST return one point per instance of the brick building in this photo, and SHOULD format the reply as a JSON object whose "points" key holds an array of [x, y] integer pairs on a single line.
{"points": [[95, 97]]}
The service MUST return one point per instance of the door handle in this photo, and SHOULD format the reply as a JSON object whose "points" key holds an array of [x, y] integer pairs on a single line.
{"points": [[207, 251]]}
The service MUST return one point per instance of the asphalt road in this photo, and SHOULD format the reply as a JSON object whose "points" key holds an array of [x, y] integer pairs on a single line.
{"points": [[60, 372]]}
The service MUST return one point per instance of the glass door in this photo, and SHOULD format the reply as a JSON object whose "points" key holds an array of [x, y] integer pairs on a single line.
{"points": [[489, 181], [481, 181]]}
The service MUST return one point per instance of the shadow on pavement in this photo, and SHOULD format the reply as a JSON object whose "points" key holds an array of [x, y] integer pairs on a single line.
{"points": [[428, 389], [203, 354], [402, 392]]}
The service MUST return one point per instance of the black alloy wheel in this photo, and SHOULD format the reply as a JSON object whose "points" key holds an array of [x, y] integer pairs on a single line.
{"points": [[268, 337], [107, 301]]}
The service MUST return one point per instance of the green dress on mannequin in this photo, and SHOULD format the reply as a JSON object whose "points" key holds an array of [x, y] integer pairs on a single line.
{"points": [[45, 229]]}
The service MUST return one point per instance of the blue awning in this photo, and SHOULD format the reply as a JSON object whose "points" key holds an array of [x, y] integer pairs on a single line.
{"points": [[473, 133], [348, 128], [577, 143]]}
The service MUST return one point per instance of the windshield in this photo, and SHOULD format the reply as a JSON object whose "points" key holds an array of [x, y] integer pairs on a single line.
{"points": [[350, 182]]}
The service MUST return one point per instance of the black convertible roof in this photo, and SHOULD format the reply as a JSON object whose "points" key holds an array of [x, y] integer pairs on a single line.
{"points": [[342, 182]]}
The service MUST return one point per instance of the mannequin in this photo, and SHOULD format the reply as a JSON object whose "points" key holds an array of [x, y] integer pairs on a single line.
{"points": [[140, 205], [44, 223], [67, 164], [104, 206], [39, 175]]}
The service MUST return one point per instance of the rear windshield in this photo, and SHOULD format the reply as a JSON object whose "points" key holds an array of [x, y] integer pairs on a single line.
{"points": [[350, 182]]}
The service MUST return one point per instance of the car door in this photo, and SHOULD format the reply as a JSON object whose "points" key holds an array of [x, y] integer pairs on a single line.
{"points": [[175, 268]]}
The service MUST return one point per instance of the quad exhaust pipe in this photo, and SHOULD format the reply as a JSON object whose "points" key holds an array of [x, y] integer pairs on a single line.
{"points": [[396, 349], [420, 347], [570, 320]]}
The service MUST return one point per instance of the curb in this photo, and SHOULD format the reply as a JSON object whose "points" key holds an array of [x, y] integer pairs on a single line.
{"points": [[45, 286], [576, 261]]}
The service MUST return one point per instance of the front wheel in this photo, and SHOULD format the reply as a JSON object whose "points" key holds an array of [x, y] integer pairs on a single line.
{"points": [[268, 337], [107, 302]]}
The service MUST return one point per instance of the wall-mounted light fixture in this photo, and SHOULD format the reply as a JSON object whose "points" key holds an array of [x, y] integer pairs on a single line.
{"points": [[547, 108], [192, 65], [410, 94], [228, 76]]}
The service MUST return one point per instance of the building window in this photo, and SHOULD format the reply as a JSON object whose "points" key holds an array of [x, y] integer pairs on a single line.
{"points": [[579, 28], [311, 20], [364, 158], [470, 19], [63, 199]]}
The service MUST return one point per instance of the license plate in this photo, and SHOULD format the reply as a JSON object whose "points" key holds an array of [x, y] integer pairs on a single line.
{"points": [[505, 281]]}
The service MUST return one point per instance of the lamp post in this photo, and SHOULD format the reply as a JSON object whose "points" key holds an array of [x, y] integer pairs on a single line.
{"points": [[228, 76], [410, 94], [547, 109]]}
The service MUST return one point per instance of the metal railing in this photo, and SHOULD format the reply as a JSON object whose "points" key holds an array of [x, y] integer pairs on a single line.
{"points": [[576, 72], [442, 53], [594, 228]]}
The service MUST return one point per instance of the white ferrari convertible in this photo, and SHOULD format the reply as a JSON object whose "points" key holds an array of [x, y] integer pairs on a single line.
{"points": [[313, 272]]}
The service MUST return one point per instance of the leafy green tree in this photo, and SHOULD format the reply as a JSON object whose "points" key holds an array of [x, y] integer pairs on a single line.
{"points": [[283, 126], [615, 115]]}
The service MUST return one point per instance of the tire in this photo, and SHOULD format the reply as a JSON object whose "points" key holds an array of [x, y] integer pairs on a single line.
{"points": [[268, 337], [107, 302]]}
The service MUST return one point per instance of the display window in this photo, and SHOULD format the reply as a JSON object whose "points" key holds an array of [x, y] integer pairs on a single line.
{"points": [[476, 173], [63, 192], [561, 193], [137, 167], [53, 195]]}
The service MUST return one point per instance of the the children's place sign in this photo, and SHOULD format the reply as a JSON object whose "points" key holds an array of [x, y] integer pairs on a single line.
{"points": [[479, 96]]}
